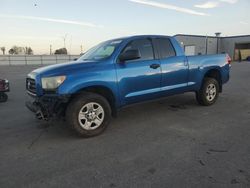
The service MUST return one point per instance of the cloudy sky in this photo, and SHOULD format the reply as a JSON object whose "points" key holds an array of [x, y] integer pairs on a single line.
{"points": [[41, 23]]}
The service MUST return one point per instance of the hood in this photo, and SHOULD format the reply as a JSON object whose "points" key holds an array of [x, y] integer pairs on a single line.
{"points": [[63, 68]]}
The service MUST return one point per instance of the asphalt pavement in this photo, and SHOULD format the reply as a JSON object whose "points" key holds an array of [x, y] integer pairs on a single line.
{"points": [[172, 142]]}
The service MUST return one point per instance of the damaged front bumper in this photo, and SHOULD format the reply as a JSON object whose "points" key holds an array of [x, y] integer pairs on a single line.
{"points": [[47, 107]]}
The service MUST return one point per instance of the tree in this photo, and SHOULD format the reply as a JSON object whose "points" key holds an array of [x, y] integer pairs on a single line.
{"points": [[61, 51], [11, 51], [28, 51], [15, 50], [3, 50]]}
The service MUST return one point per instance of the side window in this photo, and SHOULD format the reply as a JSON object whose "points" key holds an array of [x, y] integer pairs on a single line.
{"points": [[144, 46], [165, 48]]}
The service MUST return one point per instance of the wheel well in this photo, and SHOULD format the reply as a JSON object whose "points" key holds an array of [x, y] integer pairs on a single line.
{"points": [[105, 92], [214, 73]]}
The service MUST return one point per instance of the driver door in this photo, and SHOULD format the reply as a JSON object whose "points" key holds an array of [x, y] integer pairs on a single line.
{"points": [[140, 79]]}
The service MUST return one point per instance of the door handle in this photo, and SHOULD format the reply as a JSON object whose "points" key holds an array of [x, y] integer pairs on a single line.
{"points": [[154, 66]]}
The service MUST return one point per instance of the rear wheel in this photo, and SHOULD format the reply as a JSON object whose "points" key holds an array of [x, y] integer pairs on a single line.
{"points": [[209, 92], [89, 114], [3, 97]]}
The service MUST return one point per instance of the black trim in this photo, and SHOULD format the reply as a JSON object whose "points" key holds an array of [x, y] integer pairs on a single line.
{"points": [[154, 49], [31, 86], [48, 106]]}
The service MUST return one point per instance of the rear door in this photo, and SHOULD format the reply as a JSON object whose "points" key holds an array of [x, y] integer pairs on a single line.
{"points": [[140, 79], [174, 68]]}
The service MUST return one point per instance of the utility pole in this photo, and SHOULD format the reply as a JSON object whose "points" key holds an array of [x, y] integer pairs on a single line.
{"points": [[50, 50], [206, 44], [64, 40], [218, 36], [70, 45], [81, 49]]}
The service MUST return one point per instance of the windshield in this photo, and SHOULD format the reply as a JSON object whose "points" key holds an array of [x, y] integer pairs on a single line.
{"points": [[101, 51]]}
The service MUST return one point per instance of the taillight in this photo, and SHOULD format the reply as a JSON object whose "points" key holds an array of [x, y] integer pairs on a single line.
{"points": [[228, 59]]}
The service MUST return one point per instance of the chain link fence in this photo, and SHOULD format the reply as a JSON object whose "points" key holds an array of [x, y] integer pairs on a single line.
{"points": [[35, 59]]}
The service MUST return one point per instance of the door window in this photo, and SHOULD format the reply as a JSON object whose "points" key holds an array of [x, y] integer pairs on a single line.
{"points": [[145, 48]]}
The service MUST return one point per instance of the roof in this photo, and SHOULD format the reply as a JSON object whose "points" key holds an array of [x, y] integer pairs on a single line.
{"points": [[138, 36], [237, 36]]}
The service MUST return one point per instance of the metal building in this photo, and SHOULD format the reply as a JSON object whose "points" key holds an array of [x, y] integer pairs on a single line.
{"points": [[238, 47]]}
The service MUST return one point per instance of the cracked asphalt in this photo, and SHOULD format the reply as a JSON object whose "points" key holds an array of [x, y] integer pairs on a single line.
{"points": [[172, 142]]}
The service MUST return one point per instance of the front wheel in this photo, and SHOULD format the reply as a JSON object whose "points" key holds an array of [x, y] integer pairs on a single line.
{"points": [[208, 93], [3, 97], [89, 114]]}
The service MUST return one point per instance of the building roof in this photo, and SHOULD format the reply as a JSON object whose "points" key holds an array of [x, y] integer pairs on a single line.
{"points": [[237, 36]]}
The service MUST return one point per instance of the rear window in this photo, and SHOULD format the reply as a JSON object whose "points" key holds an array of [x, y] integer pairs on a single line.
{"points": [[165, 48]]}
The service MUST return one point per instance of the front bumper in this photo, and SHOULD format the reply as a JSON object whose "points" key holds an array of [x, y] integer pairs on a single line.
{"points": [[47, 107]]}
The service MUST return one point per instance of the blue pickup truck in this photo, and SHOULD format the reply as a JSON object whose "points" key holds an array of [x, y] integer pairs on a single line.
{"points": [[120, 72]]}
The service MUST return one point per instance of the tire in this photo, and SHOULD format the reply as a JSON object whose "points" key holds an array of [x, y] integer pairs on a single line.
{"points": [[88, 114], [208, 93], [3, 97]]}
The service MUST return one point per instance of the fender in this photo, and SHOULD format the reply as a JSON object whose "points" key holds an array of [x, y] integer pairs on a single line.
{"points": [[76, 88]]}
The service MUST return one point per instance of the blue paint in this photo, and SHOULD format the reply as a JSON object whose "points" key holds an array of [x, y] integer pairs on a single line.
{"points": [[133, 82]]}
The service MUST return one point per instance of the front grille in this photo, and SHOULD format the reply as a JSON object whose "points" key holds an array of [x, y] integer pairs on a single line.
{"points": [[31, 85]]}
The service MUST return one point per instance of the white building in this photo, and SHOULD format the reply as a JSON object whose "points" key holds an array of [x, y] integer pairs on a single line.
{"points": [[238, 47]]}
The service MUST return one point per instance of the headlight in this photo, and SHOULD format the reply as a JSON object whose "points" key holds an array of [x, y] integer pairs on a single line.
{"points": [[51, 83]]}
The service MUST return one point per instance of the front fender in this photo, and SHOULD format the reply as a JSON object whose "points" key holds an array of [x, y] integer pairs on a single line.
{"points": [[73, 87]]}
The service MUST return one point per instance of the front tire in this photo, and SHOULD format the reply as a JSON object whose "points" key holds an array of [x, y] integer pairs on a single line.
{"points": [[89, 114], [3, 97], [208, 93]]}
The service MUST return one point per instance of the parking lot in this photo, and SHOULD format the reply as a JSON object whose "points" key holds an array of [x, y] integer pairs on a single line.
{"points": [[173, 142]]}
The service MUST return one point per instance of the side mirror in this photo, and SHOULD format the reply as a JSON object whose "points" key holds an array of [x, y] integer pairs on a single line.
{"points": [[130, 55], [75, 59]]}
